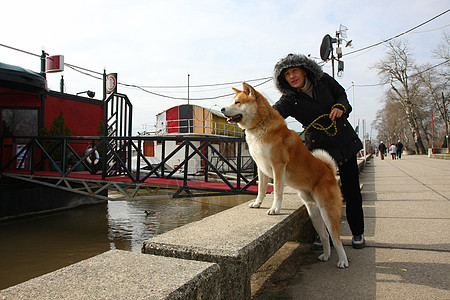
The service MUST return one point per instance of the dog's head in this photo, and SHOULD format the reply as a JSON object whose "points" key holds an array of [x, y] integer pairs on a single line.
{"points": [[245, 108]]}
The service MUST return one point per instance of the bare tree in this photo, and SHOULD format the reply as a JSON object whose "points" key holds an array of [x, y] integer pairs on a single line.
{"points": [[435, 86], [391, 122], [442, 51], [394, 70]]}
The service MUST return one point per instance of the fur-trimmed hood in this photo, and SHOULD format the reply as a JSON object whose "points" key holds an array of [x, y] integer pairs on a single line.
{"points": [[313, 70]]}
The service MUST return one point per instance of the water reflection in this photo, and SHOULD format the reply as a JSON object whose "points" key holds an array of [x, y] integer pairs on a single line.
{"points": [[38, 245]]}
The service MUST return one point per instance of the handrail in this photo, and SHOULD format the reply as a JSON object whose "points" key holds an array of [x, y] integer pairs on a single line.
{"points": [[184, 125], [66, 154]]}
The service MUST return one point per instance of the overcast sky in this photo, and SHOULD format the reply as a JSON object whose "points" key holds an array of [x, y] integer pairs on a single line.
{"points": [[156, 44]]}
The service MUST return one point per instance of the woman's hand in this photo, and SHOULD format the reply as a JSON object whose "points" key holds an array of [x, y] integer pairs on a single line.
{"points": [[336, 113]]}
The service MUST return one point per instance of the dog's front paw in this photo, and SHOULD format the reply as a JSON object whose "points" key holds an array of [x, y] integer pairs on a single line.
{"points": [[324, 257], [342, 264], [255, 204], [273, 211]]}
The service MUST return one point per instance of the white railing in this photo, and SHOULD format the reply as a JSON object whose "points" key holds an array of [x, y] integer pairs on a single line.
{"points": [[181, 126]]}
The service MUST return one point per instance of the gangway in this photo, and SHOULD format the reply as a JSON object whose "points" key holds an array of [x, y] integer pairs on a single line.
{"points": [[64, 163]]}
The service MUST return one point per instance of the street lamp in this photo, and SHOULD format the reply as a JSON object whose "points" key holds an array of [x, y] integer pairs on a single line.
{"points": [[91, 94]]}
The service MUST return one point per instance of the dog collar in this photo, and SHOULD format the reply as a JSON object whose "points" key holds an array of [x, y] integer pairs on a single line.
{"points": [[259, 124]]}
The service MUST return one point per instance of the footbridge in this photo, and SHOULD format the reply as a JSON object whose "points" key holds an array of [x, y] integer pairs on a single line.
{"points": [[93, 165]]}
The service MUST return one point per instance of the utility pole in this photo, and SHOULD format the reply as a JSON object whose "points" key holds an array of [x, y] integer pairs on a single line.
{"points": [[43, 56], [432, 131], [188, 121], [61, 84], [354, 109], [104, 89], [446, 122]]}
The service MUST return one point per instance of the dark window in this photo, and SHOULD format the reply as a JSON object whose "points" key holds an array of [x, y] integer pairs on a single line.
{"points": [[186, 118], [19, 122]]}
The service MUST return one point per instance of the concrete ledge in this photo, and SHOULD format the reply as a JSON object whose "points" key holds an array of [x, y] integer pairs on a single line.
{"points": [[439, 156], [239, 239], [120, 274], [363, 161]]}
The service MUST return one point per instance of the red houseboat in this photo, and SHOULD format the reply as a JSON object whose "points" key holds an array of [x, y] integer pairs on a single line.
{"points": [[26, 107]]}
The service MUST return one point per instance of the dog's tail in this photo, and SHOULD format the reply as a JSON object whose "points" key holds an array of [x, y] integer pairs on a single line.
{"points": [[326, 158]]}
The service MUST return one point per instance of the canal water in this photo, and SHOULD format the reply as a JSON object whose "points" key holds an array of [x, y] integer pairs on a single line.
{"points": [[37, 245]]}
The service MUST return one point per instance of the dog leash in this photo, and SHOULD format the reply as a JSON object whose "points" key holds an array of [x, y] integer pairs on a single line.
{"points": [[320, 127]]}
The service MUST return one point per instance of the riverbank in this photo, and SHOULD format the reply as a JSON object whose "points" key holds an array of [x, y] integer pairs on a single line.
{"points": [[41, 244]]}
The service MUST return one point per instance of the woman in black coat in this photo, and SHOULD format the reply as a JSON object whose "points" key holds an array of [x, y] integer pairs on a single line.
{"points": [[307, 94]]}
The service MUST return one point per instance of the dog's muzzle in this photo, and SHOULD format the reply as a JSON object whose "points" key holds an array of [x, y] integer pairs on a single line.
{"points": [[231, 119], [234, 119]]}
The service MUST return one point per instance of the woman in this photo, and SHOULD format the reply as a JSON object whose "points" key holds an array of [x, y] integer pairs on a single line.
{"points": [[382, 148], [307, 94], [393, 150]]}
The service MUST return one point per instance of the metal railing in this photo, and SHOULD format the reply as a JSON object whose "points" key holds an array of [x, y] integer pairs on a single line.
{"points": [[196, 126], [112, 156]]}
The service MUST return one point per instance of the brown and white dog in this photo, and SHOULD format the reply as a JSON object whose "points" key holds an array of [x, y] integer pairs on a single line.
{"points": [[280, 153]]}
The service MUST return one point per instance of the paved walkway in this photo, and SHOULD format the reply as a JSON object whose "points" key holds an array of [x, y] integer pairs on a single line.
{"points": [[407, 216]]}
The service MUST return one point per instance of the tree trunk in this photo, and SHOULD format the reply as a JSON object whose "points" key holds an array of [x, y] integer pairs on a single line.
{"points": [[418, 144], [446, 123]]}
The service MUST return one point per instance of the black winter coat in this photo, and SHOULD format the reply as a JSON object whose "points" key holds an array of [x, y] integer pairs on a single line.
{"points": [[305, 109]]}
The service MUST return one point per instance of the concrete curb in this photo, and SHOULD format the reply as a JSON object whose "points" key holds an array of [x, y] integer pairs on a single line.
{"points": [[210, 259], [118, 274], [439, 156], [239, 239]]}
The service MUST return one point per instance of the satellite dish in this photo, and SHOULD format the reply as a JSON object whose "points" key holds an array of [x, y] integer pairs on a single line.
{"points": [[326, 47]]}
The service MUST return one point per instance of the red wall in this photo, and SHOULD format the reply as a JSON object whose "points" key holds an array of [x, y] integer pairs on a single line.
{"points": [[9, 97], [83, 118], [81, 115], [172, 120]]}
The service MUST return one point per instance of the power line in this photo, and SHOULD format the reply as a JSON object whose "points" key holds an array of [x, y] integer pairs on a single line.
{"points": [[23, 51], [398, 35], [190, 99], [430, 68], [368, 85], [88, 72], [204, 85], [431, 30], [75, 68], [416, 74], [267, 79]]}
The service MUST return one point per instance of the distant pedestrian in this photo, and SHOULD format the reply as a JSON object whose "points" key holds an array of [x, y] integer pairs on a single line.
{"points": [[382, 148], [393, 150], [399, 146]]}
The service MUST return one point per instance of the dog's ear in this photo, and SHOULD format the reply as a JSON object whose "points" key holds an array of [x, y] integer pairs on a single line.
{"points": [[236, 91], [249, 90]]}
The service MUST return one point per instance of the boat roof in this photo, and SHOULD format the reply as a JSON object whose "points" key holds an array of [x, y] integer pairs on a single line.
{"points": [[15, 77]]}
